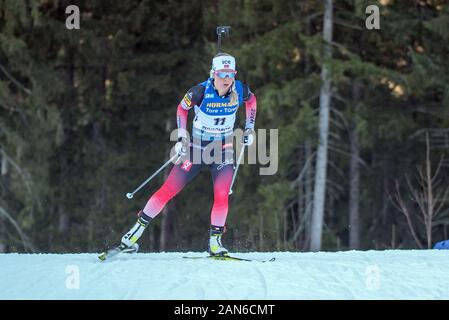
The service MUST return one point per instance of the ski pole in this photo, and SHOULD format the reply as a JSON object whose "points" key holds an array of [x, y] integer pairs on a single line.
{"points": [[129, 195], [237, 168]]}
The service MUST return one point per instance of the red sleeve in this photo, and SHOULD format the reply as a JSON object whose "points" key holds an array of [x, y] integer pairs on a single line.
{"points": [[181, 120], [193, 97], [251, 109]]}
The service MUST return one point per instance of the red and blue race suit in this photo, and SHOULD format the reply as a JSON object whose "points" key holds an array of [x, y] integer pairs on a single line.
{"points": [[213, 123]]}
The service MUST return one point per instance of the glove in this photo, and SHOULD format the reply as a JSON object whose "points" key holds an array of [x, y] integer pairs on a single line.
{"points": [[248, 137], [181, 146]]}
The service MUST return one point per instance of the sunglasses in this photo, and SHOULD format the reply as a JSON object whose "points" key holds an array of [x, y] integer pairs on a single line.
{"points": [[224, 74]]}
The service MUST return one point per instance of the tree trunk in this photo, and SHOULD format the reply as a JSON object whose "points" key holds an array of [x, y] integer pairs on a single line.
{"points": [[385, 193], [321, 162], [308, 187], [63, 225], [354, 191], [2, 236], [285, 216], [99, 196], [4, 179], [429, 181], [308, 196], [299, 212], [261, 244], [354, 179]]}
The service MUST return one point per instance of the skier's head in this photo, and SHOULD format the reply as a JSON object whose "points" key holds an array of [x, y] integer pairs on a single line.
{"points": [[223, 71], [223, 62]]}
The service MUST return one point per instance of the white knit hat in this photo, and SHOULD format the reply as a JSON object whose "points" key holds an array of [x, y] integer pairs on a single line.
{"points": [[226, 62]]}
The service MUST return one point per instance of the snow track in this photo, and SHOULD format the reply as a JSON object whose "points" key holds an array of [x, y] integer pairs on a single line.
{"points": [[394, 274]]}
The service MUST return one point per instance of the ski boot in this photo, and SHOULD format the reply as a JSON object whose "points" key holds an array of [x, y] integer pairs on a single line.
{"points": [[129, 240], [215, 246]]}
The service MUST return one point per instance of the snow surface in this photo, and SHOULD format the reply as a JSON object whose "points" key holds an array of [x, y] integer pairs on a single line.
{"points": [[391, 274]]}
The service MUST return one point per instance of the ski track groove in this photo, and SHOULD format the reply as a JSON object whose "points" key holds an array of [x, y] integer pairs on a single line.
{"points": [[189, 282], [262, 280]]}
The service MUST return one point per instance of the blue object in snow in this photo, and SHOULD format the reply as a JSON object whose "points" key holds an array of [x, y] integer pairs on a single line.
{"points": [[442, 245]]}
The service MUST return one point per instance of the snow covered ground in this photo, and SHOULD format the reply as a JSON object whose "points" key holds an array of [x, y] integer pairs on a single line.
{"points": [[393, 274]]}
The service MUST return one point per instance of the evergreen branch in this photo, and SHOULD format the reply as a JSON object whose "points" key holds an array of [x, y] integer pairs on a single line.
{"points": [[24, 175], [346, 154], [400, 205], [334, 188], [336, 169], [345, 24], [305, 168], [440, 206], [304, 219], [337, 124], [25, 241], [341, 116], [17, 83], [437, 171]]}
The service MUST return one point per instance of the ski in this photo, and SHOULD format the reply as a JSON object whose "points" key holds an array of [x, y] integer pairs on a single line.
{"points": [[230, 258], [115, 251]]}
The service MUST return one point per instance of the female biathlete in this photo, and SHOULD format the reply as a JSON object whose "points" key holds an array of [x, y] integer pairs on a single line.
{"points": [[215, 102]]}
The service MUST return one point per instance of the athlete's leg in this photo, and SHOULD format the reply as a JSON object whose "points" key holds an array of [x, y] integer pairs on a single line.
{"points": [[222, 178], [179, 176]]}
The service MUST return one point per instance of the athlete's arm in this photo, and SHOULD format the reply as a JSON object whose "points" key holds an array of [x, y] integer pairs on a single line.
{"points": [[193, 97], [251, 107]]}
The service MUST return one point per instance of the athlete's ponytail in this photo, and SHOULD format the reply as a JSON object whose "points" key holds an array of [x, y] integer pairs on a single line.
{"points": [[234, 95]]}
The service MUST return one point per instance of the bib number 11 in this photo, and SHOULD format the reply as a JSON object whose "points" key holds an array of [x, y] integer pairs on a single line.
{"points": [[219, 121]]}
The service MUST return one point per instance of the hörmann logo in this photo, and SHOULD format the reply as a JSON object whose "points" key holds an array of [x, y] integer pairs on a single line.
{"points": [[219, 104]]}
